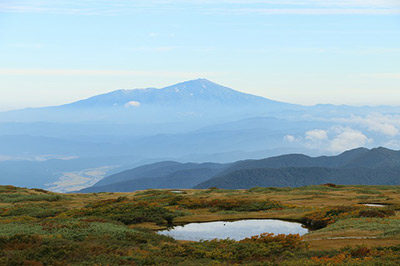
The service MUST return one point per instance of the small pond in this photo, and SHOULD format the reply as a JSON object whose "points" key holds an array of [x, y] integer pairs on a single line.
{"points": [[178, 192], [374, 205], [236, 230]]}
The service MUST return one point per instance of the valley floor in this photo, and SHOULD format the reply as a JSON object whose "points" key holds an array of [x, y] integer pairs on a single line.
{"points": [[38, 227]]}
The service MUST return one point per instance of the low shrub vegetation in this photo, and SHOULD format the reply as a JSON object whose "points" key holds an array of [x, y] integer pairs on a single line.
{"points": [[242, 205], [128, 211], [16, 197], [43, 228], [326, 216]]}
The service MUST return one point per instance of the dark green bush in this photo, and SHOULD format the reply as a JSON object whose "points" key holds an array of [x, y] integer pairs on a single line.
{"points": [[15, 197], [240, 205], [378, 213], [128, 211], [33, 210]]}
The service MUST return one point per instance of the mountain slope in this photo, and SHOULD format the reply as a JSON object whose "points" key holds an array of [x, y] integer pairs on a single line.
{"points": [[299, 160], [200, 91], [357, 166], [201, 98], [158, 175], [176, 180], [267, 177], [377, 166], [150, 170], [376, 158], [297, 177]]}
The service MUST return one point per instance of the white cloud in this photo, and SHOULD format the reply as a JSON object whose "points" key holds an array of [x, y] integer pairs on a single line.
{"points": [[316, 135], [309, 7], [386, 129], [343, 138], [289, 138], [348, 139], [316, 139], [388, 125], [132, 104], [393, 144]]}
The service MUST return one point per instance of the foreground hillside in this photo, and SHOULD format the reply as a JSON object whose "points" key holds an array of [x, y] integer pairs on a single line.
{"points": [[43, 228]]}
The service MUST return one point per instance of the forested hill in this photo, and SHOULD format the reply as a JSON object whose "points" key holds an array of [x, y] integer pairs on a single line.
{"points": [[379, 166]]}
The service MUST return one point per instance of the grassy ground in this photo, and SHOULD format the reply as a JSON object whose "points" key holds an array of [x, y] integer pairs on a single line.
{"points": [[43, 228]]}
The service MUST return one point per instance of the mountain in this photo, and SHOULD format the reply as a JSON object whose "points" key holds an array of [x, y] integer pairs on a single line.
{"points": [[357, 166], [248, 138], [201, 99], [268, 177], [158, 175], [379, 166], [199, 91], [345, 159], [193, 121], [297, 177], [376, 158], [154, 170], [184, 179]]}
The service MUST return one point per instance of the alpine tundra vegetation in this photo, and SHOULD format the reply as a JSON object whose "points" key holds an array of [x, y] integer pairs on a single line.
{"points": [[45, 228]]}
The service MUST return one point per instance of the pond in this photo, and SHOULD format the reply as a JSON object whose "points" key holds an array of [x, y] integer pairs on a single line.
{"points": [[374, 205], [178, 192], [236, 230]]}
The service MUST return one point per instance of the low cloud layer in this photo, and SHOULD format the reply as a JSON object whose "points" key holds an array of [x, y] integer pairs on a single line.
{"points": [[316, 135], [388, 125], [333, 140], [374, 129], [348, 139], [289, 138]]}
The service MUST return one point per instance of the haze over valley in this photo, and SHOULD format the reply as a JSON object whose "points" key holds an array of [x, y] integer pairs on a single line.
{"points": [[73, 146]]}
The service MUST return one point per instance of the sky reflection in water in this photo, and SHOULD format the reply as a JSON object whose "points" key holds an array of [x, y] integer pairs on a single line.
{"points": [[234, 230]]}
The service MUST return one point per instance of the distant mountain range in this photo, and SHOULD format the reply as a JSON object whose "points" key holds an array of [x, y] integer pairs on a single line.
{"points": [[199, 91], [379, 166], [200, 99], [193, 121]]}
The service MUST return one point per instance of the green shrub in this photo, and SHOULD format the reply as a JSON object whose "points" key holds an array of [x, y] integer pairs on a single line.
{"points": [[269, 189], [239, 205], [128, 212], [33, 210], [321, 218], [368, 191], [7, 230], [16, 197]]}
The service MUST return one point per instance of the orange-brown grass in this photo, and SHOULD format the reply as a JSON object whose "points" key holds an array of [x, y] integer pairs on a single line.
{"points": [[297, 203]]}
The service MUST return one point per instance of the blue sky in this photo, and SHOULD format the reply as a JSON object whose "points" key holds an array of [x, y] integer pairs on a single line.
{"points": [[305, 51]]}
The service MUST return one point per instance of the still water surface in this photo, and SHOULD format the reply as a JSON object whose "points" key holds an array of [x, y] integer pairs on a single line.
{"points": [[236, 230], [373, 205]]}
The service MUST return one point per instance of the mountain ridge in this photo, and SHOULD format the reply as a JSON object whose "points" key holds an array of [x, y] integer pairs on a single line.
{"points": [[200, 99], [198, 91], [348, 167]]}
